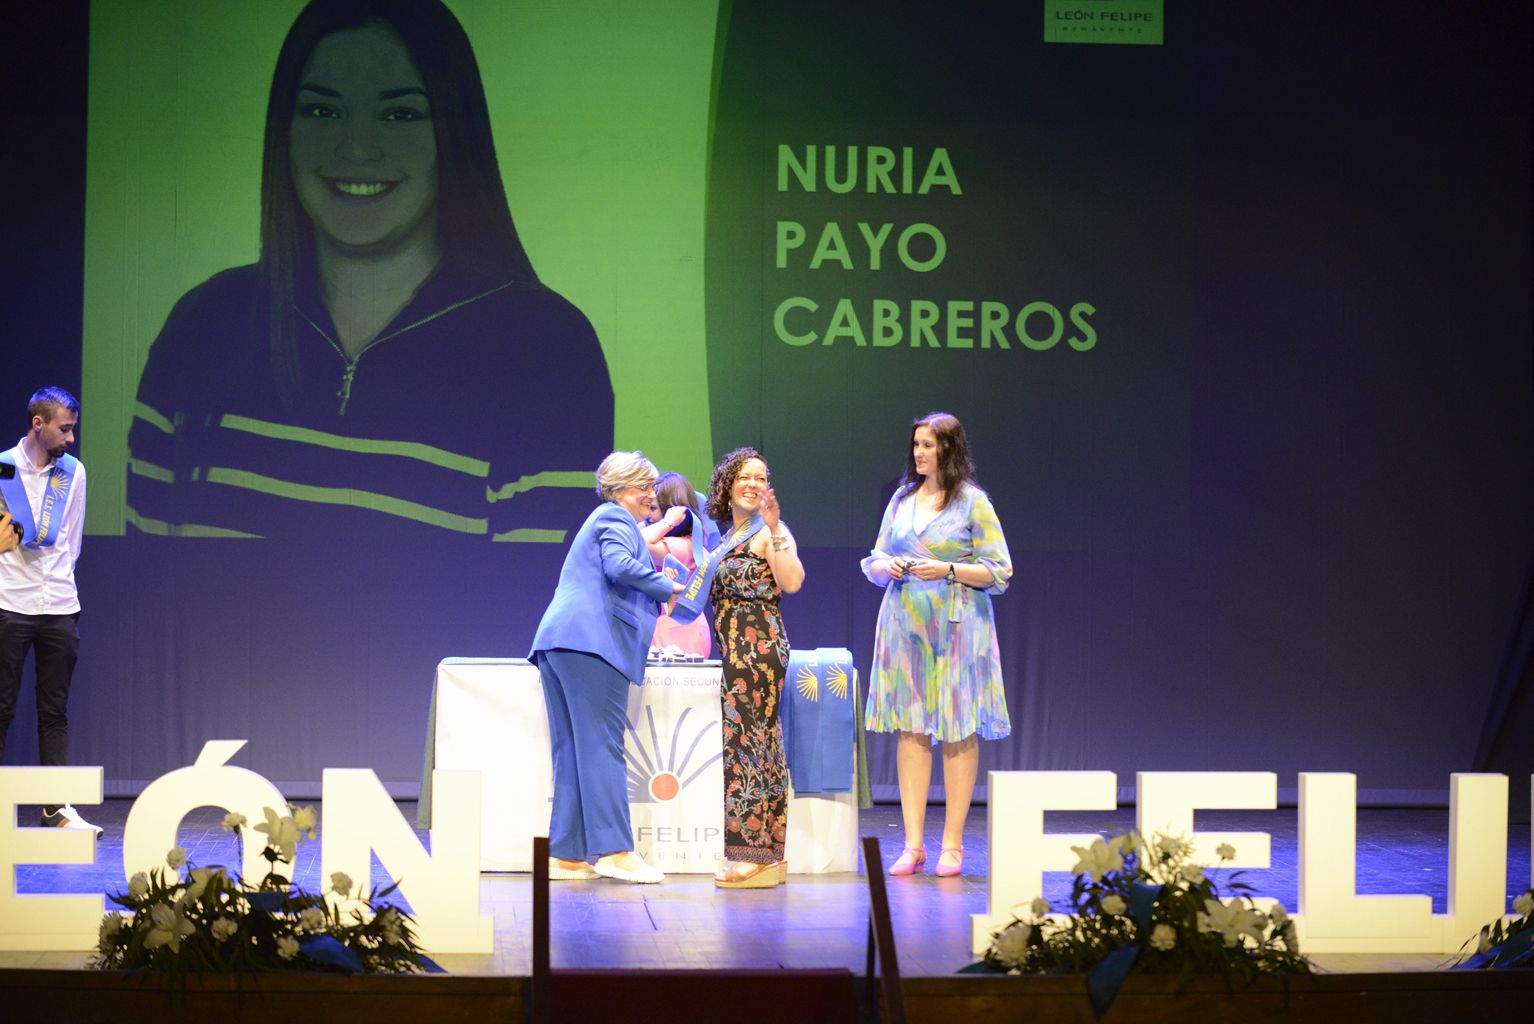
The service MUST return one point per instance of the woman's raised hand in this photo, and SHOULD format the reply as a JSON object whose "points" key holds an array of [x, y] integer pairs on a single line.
{"points": [[771, 514]]}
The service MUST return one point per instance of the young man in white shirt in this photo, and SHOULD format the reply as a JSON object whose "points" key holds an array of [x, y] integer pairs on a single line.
{"points": [[43, 488]]}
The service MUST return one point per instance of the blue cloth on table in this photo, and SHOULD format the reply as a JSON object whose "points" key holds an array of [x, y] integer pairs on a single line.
{"points": [[818, 720]]}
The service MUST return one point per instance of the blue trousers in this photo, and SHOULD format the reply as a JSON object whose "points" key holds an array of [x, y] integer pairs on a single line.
{"points": [[587, 703]]}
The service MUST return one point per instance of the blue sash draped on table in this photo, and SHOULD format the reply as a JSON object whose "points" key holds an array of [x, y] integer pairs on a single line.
{"points": [[819, 723]]}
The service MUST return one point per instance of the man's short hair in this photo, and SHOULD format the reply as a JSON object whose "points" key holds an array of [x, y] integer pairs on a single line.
{"points": [[48, 401]]}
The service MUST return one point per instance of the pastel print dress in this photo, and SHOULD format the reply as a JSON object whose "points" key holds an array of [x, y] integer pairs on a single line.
{"points": [[937, 668]]}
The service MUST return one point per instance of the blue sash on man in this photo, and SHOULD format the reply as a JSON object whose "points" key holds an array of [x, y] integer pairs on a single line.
{"points": [[44, 530], [689, 604]]}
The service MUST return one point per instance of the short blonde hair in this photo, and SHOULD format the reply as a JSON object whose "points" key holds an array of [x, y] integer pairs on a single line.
{"points": [[624, 469]]}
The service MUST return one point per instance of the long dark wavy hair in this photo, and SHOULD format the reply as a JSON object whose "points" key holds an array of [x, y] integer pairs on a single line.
{"points": [[474, 225], [718, 505], [955, 467]]}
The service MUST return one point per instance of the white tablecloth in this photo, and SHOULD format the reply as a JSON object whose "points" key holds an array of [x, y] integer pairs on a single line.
{"points": [[489, 717]]}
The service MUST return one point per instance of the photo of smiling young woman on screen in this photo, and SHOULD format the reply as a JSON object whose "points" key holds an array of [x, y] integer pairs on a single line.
{"points": [[392, 362]]}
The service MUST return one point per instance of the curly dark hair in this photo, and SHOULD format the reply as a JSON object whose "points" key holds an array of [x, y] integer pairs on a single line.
{"points": [[718, 504], [955, 467]]}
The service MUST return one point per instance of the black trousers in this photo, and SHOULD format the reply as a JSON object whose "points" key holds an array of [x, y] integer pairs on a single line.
{"points": [[56, 641]]}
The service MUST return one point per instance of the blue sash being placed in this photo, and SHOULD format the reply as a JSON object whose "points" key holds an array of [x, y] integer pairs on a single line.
{"points": [[43, 532], [689, 604], [818, 720]]}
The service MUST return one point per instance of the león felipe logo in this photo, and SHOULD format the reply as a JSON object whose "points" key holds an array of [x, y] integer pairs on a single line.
{"points": [[659, 768]]}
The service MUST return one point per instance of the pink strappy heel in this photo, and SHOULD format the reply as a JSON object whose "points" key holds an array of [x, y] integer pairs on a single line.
{"points": [[912, 861], [944, 870]]}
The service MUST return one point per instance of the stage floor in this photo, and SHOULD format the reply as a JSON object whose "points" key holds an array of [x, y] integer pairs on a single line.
{"points": [[814, 920]]}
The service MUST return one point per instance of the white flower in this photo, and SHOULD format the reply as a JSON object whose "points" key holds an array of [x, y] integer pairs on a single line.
{"points": [[304, 819], [340, 883], [138, 885], [281, 833], [1163, 937], [175, 858], [1099, 858], [1169, 846], [1231, 920], [1225, 851], [233, 821], [168, 928], [1040, 907], [198, 882], [1113, 904], [312, 919], [1524, 904], [223, 928], [1012, 943], [1290, 936], [1278, 914], [111, 924], [287, 947], [1192, 873]]}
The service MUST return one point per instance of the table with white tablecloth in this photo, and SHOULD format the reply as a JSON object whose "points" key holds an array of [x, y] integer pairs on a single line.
{"points": [[488, 716]]}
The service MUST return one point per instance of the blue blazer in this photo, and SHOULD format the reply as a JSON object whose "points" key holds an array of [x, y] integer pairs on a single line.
{"points": [[609, 594]]}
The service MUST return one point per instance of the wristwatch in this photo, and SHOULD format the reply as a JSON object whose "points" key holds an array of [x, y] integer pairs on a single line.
{"points": [[951, 576]]}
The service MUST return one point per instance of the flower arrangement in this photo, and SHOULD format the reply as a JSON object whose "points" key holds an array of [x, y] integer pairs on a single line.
{"points": [[1505, 943], [1144, 907], [207, 920]]}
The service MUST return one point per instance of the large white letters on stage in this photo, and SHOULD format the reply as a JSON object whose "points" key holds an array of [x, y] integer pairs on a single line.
{"points": [[1332, 917], [46, 922], [442, 886]]}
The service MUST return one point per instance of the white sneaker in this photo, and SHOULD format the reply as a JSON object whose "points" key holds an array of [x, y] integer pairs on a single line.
{"points": [[558, 872], [636, 870], [68, 817]]}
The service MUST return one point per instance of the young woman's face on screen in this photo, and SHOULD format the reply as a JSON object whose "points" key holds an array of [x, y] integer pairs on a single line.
{"points": [[363, 154]]}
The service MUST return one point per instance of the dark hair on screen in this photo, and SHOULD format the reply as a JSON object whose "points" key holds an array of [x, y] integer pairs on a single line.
{"points": [[474, 225], [955, 467]]}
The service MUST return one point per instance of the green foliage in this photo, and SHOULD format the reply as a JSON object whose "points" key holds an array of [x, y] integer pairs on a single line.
{"points": [[208, 920], [1142, 907], [1505, 942]]}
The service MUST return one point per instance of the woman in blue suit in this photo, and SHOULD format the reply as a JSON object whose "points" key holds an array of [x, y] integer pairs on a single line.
{"points": [[591, 643]]}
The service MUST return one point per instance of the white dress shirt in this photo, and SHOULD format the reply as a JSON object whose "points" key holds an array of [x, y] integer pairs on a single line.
{"points": [[41, 581]]}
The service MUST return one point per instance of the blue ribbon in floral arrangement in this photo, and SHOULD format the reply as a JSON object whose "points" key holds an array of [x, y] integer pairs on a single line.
{"points": [[1109, 974], [689, 605], [43, 532]]}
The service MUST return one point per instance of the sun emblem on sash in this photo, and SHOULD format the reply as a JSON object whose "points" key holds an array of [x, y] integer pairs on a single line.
{"points": [[55, 479], [808, 684], [838, 682]]}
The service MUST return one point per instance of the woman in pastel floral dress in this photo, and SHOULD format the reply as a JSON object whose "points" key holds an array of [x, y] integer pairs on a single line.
{"points": [[753, 647], [940, 557]]}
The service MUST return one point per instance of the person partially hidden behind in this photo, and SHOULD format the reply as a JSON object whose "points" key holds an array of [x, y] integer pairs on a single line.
{"points": [[44, 494]]}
